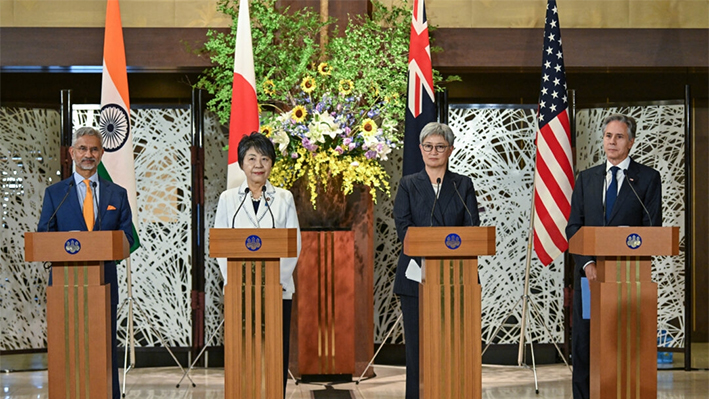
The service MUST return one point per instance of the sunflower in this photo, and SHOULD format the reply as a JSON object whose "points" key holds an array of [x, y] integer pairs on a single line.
{"points": [[369, 128], [308, 84], [266, 130], [299, 113], [324, 68], [346, 86], [269, 87]]}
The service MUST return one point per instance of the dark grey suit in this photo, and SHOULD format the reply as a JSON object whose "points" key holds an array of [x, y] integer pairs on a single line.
{"points": [[412, 207], [587, 209]]}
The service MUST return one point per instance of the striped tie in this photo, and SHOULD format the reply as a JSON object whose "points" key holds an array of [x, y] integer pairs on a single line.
{"points": [[89, 206]]}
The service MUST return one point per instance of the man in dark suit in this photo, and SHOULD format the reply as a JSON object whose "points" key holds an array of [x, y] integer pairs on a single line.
{"points": [[414, 206], [85, 202], [619, 192]]}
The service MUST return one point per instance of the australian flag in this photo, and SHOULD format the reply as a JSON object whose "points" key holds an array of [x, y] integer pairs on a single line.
{"points": [[420, 107]]}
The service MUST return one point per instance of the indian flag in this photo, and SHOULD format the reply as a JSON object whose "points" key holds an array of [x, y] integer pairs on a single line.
{"points": [[244, 105], [117, 163]]}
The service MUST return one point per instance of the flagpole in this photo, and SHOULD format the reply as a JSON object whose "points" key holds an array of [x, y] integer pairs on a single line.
{"points": [[525, 294]]}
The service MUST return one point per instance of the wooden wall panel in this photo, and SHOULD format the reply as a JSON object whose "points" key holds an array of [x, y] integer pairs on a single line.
{"points": [[464, 49]]}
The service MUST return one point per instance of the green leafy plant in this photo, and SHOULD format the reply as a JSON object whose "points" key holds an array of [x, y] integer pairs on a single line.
{"points": [[333, 112]]}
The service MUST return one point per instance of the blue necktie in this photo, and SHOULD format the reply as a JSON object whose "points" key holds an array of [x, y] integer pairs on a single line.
{"points": [[611, 193]]}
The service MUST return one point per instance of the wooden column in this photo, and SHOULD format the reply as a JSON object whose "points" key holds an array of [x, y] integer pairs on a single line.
{"points": [[450, 361], [78, 312], [253, 308], [79, 332], [450, 343], [623, 361], [326, 308], [623, 329], [253, 320]]}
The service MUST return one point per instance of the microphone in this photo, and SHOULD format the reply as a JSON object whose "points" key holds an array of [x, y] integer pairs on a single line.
{"points": [[461, 200], [273, 219], [94, 185], [233, 220], [438, 186], [49, 222], [629, 179]]}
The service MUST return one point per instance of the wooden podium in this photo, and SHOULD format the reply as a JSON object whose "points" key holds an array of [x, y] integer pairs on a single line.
{"points": [[78, 309], [623, 361], [253, 308], [449, 308]]}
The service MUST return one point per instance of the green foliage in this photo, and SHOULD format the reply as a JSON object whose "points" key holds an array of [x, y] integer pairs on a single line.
{"points": [[372, 53]]}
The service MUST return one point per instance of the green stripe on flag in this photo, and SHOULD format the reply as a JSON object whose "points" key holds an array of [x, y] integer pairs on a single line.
{"points": [[103, 173]]}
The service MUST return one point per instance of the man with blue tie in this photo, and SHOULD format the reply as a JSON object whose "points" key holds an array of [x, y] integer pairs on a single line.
{"points": [[619, 192], [85, 202]]}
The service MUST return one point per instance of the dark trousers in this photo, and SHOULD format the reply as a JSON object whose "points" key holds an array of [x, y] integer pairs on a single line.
{"points": [[111, 277], [580, 350], [287, 307], [410, 310]]}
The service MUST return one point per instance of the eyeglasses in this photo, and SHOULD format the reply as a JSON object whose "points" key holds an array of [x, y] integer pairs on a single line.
{"points": [[438, 147], [83, 149]]}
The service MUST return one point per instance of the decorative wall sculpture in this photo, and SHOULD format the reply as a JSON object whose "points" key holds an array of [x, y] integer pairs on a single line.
{"points": [[161, 267], [660, 145], [29, 155], [494, 145]]}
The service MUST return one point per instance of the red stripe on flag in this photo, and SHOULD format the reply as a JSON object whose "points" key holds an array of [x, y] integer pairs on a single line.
{"points": [[558, 237], [541, 253], [562, 202], [555, 145], [244, 114]]}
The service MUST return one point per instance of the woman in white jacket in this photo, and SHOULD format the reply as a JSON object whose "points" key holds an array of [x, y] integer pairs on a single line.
{"points": [[247, 207]]}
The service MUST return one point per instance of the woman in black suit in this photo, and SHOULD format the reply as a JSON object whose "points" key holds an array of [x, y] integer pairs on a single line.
{"points": [[414, 206]]}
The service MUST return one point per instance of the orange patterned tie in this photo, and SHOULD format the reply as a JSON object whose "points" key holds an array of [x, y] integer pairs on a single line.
{"points": [[89, 206]]}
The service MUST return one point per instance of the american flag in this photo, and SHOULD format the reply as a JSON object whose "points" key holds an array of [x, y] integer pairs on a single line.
{"points": [[554, 176], [421, 108]]}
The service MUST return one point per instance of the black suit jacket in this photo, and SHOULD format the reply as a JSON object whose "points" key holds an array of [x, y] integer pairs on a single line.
{"points": [[413, 205], [587, 202]]}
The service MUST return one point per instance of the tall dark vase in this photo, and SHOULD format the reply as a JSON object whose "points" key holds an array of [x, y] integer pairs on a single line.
{"points": [[332, 329]]}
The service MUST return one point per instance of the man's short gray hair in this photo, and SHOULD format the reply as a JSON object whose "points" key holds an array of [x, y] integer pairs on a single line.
{"points": [[86, 131], [437, 129], [628, 120]]}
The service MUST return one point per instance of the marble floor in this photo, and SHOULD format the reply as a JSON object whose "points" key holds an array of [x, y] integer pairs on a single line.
{"points": [[498, 382]]}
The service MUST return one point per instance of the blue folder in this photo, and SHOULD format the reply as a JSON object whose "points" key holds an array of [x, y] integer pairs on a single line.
{"points": [[585, 299]]}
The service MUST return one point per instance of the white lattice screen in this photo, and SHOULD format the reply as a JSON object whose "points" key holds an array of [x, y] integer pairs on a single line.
{"points": [[29, 154], [660, 145], [161, 267], [494, 145]]}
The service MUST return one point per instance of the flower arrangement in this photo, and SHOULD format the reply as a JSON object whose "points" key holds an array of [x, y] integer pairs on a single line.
{"points": [[332, 129], [333, 111]]}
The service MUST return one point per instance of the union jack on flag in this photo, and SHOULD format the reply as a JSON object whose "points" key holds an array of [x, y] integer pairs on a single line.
{"points": [[554, 175], [421, 108]]}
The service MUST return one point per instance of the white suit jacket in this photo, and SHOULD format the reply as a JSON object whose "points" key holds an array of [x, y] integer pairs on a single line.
{"points": [[283, 208]]}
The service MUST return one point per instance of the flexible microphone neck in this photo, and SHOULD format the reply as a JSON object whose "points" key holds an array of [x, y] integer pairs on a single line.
{"points": [[233, 219], [98, 209], [265, 198], [438, 187], [49, 222], [462, 201], [628, 179]]}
